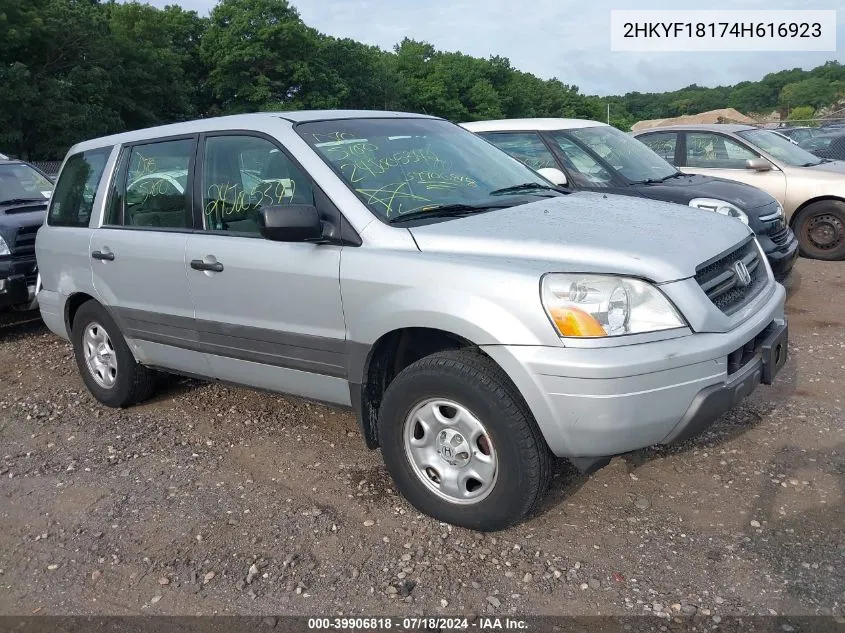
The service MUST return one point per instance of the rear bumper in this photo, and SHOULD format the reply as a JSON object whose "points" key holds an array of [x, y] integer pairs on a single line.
{"points": [[52, 307]]}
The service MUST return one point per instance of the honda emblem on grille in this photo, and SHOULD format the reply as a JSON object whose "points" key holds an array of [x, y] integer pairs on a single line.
{"points": [[743, 277]]}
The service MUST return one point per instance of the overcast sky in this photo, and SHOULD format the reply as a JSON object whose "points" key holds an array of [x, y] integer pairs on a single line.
{"points": [[567, 39]]}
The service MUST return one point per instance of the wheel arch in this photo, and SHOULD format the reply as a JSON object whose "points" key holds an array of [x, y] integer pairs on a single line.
{"points": [[373, 367], [807, 203], [72, 305]]}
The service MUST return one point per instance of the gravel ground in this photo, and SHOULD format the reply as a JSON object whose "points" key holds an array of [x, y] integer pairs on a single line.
{"points": [[214, 499]]}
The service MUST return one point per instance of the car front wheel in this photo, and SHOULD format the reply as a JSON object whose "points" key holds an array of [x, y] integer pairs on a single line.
{"points": [[460, 442], [820, 228]]}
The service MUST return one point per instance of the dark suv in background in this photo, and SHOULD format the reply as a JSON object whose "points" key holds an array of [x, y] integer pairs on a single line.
{"points": [[24, 194]]}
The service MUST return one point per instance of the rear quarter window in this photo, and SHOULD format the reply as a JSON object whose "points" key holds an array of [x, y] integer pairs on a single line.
{"points": [[73, 197]]}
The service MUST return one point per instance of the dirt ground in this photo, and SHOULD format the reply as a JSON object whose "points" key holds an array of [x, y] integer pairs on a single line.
{"points": [[213, 499]]}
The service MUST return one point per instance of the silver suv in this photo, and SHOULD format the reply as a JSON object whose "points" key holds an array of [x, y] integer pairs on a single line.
{"points": [[477, 319]]}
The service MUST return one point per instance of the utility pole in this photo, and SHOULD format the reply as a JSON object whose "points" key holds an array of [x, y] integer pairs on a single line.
{"points": [[608, 113]]}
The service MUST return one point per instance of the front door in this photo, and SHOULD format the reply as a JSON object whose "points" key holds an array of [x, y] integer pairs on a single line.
{"points": [[714, 154], [138, 254], [268, 313]]}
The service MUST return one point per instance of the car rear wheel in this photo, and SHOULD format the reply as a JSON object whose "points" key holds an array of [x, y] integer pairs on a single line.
{"points": [[106, 363], [820, 228], [460, 442]]}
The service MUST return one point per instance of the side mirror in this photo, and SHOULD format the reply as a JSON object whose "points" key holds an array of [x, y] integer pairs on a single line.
{"points": [[291, 223], [758, 164], [553, 174]]}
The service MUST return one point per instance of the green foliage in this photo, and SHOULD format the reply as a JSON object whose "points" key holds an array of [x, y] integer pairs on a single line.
{"points": [[801, 113], [814, 91], [76, 69]]}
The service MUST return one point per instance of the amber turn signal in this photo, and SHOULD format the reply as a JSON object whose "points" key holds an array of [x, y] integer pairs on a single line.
{"points": [[574, 322]]}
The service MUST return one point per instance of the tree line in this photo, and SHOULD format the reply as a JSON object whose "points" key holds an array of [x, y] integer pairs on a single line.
{"points": [[77, 69]]}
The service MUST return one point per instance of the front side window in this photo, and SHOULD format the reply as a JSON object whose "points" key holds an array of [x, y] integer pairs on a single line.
{"points": [[710, 150], [780, 148], [398, 166], [73, 199], [19, 181], [526, 147], [242, 174], [626, 155], [582, 167], [661, 143]]}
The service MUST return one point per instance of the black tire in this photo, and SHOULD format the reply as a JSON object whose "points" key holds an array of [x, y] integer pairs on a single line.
{"points": [[820, 229], [475, 382], [133, 382]]}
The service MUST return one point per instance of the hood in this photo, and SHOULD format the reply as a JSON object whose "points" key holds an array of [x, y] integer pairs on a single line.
{"points": [[685, 188], [591, 232], [22, 215]]}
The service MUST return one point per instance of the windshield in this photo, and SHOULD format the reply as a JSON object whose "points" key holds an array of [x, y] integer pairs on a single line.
{"points": [[397, 166], [19, 181], [780, 148], [623, 153]]}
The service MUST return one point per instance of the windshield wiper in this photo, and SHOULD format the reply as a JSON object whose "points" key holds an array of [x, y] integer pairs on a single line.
{"points": [[23, 200], [652, 181], [445, 211], [526, 186]]}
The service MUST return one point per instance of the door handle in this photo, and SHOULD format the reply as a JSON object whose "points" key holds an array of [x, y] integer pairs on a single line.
{"points": [[108, 256], [198, 264]]}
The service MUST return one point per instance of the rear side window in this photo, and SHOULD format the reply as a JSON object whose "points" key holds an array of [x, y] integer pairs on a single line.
{"points": [[152, 187], [73, 198]]}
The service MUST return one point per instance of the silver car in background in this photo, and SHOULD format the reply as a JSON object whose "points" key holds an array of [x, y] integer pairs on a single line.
{"points": [[477, 319]]}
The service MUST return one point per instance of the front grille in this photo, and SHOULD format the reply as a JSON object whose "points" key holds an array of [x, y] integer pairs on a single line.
{"points": [[780, 236], [741, 356], [721, 282], [25, 241]]}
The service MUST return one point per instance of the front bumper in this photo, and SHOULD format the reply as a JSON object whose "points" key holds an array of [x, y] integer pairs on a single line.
{"points": [[15, 291], [781, 257], [596, 402], [17, 280], [768, 355]]}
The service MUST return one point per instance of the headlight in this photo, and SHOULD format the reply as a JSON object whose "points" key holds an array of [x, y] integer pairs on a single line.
{"points": [[4, 248], [721, 207], [603, 305]]}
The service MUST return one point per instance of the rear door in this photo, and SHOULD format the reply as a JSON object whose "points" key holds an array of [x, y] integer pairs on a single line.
{"points": [[62, 244], [268, 313], [138, 254], [715, 154]]}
